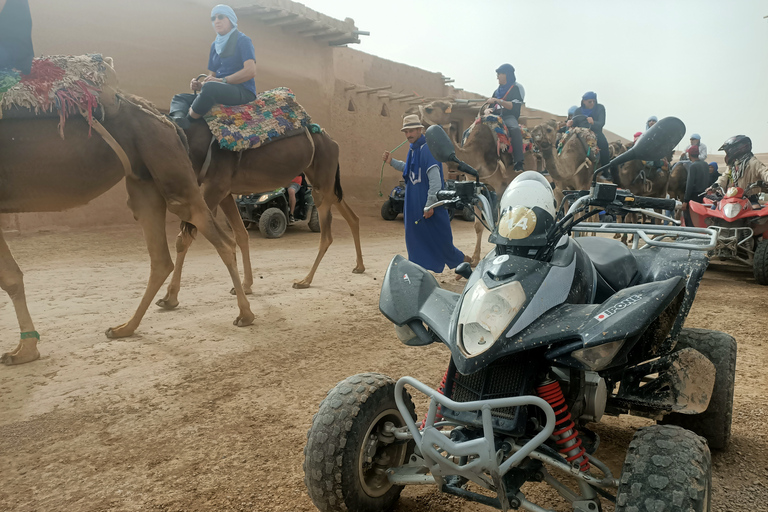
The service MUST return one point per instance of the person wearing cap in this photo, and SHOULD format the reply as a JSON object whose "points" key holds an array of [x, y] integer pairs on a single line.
{"points": [[231, 72], [595, 114], [507, 101], [697, 181], [428, 235], [696, 141]]}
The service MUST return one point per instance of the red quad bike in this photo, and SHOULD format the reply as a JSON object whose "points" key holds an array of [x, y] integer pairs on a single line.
{"points": [[742, 227]]}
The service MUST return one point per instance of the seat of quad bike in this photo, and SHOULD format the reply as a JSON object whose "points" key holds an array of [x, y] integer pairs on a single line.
{"points": [[613, 261]]}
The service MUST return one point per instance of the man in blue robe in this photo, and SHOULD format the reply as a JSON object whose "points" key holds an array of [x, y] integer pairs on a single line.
{"points": [[428, 235]]}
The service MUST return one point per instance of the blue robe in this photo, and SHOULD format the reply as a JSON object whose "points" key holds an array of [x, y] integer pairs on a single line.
{"points": [[429, 241]]}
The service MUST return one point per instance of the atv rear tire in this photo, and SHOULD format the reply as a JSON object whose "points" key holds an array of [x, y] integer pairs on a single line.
{"points": [[345, 456], [714, 424], [760, 262], [272, 223], [314, 221], [667, 468], [387, 212]]}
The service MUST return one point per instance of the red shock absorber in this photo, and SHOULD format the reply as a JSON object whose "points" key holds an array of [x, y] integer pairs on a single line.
{"points": [[565, 432], [441, 390]]}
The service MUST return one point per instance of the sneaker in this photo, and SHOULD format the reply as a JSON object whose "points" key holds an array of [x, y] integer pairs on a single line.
{"points": [[291, 219]]}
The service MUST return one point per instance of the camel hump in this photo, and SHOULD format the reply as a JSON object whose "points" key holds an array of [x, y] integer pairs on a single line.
{"points": [[56, 84], [274, 114]]}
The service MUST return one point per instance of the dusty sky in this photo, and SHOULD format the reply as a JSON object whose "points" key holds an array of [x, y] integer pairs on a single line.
{"points": [[705, 62]]}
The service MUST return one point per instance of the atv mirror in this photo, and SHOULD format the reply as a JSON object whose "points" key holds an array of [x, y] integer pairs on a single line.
{"points": [[440, 145], [654, 144]]}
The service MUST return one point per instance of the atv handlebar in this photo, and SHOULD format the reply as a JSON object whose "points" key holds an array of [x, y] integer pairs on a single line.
{"points": [[654, 203]]}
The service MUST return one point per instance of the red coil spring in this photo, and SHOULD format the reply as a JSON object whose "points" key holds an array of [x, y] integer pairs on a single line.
{"points": [[441, 390], [554, 396]]}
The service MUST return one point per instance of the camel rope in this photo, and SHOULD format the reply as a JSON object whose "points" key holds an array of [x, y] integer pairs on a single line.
{"points": [[116, 147], [312, 143]]}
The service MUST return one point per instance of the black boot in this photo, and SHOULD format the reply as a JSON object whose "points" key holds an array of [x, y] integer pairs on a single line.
{"points": [[181, 119]]}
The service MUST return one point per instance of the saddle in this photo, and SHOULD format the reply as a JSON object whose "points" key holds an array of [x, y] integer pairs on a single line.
{"points": [[273, 115], [498, 128], [586, 137]]}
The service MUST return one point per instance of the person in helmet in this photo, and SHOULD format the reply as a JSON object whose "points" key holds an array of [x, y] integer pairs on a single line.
{"points": [[528, 212], [695, 141], [744, 168], [507, 101], [595, 114]]}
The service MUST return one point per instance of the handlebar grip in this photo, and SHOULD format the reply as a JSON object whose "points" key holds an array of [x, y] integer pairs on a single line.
{"points": [[443, 195], [653, 202]]}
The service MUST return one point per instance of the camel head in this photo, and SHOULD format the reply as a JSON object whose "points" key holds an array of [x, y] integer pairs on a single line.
{"points": [[544, 135], [436, 112]]}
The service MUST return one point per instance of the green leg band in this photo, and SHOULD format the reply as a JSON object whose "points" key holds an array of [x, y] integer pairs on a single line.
{"points": [[30, 334]]}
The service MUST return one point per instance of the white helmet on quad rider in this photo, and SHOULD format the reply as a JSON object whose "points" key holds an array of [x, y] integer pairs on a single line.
{"points": [[528, 212]]}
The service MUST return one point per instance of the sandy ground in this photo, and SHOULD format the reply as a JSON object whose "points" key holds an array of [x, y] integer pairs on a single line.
{"points": [[193, 413]]}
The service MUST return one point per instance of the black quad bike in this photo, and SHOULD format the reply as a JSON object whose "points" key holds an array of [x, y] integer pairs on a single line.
{"points": [[270, 211], [395, 203], [544, 340]]}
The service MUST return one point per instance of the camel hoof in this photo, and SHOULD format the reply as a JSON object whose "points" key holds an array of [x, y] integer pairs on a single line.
{"points": [[24, 353], [167, 304], [119, 332], [358, 270], [300, 285], [247, 291], [242, 321]]}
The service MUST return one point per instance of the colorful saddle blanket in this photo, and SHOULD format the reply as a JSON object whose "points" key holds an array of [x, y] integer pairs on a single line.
{"points": [[64, 83], [271, 115], [586, 137], [497, 126]]}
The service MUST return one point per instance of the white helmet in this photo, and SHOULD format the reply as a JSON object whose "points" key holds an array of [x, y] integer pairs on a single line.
{"points": [[528, 212]]}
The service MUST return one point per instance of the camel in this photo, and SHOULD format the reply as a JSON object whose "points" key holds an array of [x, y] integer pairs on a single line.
{"points": [[571, 169], [265, 168], [678, 178], [40, 171]]}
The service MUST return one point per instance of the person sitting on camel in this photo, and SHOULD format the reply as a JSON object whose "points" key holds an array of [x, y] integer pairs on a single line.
{"points": [[507, 101], [231, 72], [16, 35]]}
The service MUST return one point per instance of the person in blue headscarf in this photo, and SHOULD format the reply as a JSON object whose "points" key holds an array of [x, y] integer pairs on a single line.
{"points": [[16, 35], [594, 113], [714, 174], [231, 72], [507, 101], [428, 235]]}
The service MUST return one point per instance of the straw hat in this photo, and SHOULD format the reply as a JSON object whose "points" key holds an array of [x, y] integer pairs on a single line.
{"points": [[411, 121]]}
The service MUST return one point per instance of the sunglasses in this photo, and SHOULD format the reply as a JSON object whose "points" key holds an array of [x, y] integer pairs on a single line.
{"points": [[218, 17]]}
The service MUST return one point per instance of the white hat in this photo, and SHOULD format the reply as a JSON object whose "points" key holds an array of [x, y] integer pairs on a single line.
{"points": [[411, 121]]}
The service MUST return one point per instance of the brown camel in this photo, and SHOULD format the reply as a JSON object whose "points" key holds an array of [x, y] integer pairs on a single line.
{"points": [[678, 177], [42, 172], [268, 167], [571, 169]]}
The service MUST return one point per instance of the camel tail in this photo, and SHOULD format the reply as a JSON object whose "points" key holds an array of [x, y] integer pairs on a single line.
{"points": [[337, 185]]}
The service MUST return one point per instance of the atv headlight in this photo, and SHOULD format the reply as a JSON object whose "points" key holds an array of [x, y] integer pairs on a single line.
{"points": [[597, 358], [731, 210], [486, 313], [263, 197]]}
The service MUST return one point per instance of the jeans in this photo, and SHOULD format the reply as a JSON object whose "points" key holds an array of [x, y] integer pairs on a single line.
{"points": [[516, 140], [212, 93]]}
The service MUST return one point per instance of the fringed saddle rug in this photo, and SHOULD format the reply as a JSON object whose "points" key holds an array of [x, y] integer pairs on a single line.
{"points": [[587, 137], [273, 114], [497, 126]]}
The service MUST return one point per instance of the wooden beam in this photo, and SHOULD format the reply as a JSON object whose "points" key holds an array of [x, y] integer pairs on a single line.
{"points": [[373, 89], [404, 96], [334, 34], [349, 88]]}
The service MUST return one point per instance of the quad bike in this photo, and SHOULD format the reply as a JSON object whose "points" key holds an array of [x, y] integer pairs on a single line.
{"points": [[742, 225], [394, 204], [270, 211], [550, 333]]}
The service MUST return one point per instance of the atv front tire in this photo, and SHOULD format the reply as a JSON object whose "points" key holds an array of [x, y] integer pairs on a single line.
{"points": [[468, 213], [348, 452], [714, 424], [387, 212], [272, 223], [314, 221], [760, 262], [666, 468]]}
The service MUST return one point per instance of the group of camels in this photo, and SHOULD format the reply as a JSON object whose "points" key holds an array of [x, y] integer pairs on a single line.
{"points": [[569, 165], [162, 170]]}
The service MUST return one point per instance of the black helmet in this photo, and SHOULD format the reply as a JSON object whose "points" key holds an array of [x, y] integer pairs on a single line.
{"points": [[736, 147]]}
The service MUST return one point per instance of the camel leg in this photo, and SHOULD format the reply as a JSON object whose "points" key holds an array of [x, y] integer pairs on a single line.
{"points": [[229, 207], [354, 226], [479, 231], [148, 207], [326, 239], [183, 240], [12, 281]]}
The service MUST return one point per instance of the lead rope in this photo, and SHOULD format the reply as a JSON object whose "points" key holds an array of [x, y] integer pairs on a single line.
{"points": [[381, 178]]}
